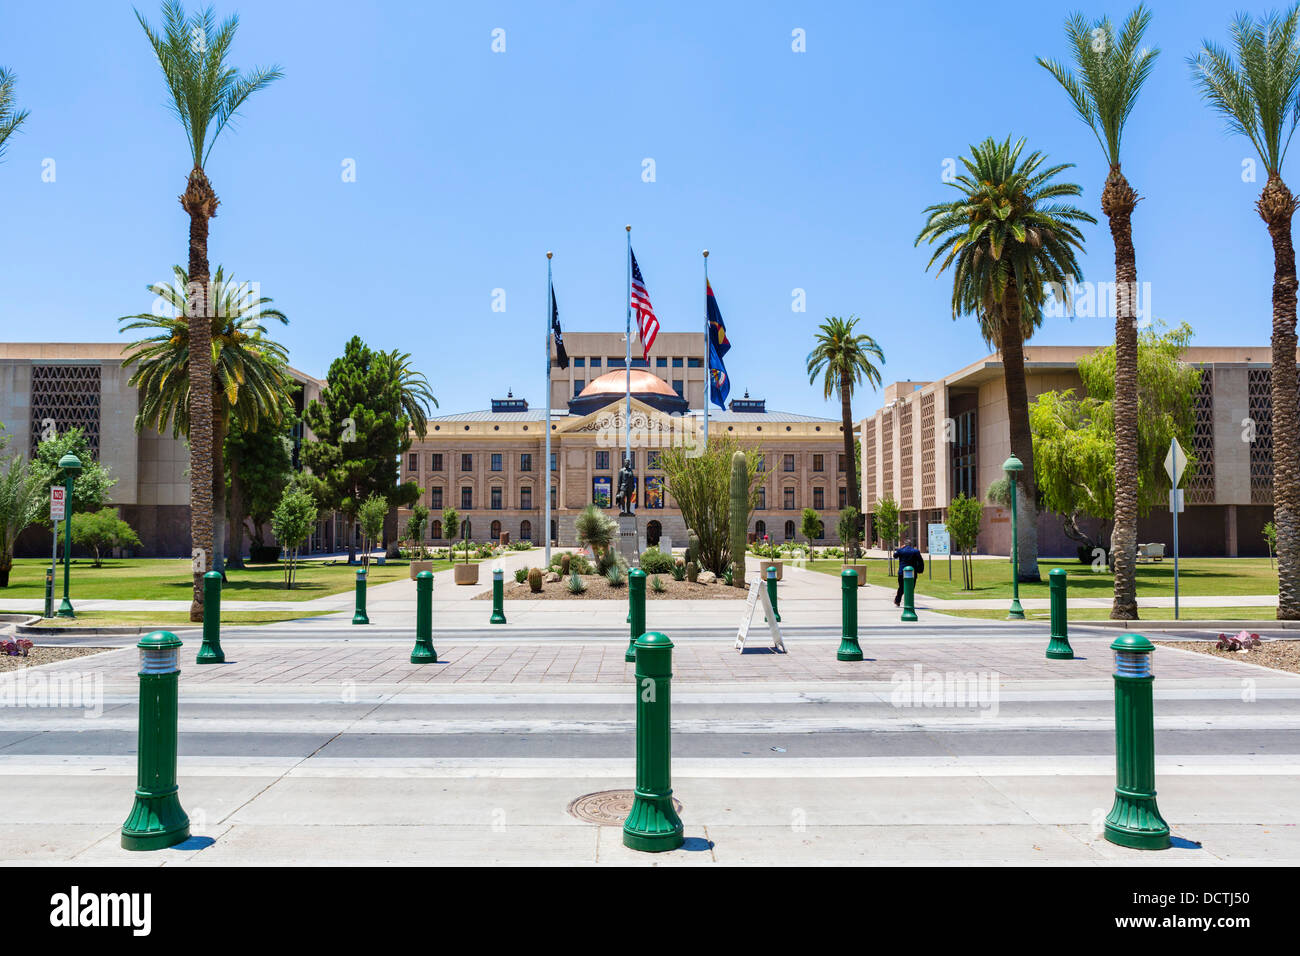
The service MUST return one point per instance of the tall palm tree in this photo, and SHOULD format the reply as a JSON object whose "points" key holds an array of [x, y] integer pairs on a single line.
{"points": [[206, 94], [1104, 90], [844, 359], [10, 118], [1258, 93], [415, 397], [248, 380], [1007, 237]]}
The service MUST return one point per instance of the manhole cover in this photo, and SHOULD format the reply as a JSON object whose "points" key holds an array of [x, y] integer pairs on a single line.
{"points": [[608, 808]]}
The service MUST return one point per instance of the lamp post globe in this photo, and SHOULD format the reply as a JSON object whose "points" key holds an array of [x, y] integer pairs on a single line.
{"points": [[70, 465], [1013, 466]]}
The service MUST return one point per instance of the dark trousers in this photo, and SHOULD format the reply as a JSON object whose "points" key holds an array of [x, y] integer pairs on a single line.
{"points": [[899, 596]]}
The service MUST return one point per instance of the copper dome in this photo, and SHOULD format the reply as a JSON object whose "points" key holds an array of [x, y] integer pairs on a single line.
{"points": [[610, 387]]}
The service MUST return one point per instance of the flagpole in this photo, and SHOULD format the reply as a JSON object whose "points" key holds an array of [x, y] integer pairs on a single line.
{"points": [[627, 362], [708, 372], [546, 466]]}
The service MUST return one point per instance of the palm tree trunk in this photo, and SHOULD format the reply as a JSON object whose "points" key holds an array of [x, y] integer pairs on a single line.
{"points": [[850, 473], [1117, 201], [200, 202], [1276, 206], [1022, 440]]}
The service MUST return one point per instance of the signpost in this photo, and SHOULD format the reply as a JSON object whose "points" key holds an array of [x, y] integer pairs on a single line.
{"points": [[757, 592], [1175, 465], [938, 543], [58, 505]]}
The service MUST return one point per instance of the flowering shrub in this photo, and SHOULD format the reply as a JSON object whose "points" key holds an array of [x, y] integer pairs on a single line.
{"points": [[18, 648], [1242, 641]]}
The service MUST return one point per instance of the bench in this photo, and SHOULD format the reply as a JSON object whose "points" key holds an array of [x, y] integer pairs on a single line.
{"points": [[1153, 552]]}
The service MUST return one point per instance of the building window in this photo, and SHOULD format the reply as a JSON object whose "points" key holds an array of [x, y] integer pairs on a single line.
{"points": [[841, 463], [466, 462], [525, 498], [762, 500], [494, 531], [789, 531], [762, 463], [555, 495], [844, 498], [412, 461], [787, 463], [435, 499], [467, 498], [496, 461], [435, 461], [595, 361], [819, 499], [495, 497], [616, 362], [963, 455], [580, 363], [602, 461], [525, 531], [640, 363], [661, 363], [789, 499], [677, 363], [679, 387], [760, 529], [435, 529], [818, 462], [695, 363], [525, 462], [578, 386], [553, 460]]}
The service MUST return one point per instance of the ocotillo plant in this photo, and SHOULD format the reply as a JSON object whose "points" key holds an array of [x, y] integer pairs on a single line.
{"points": [[739, 516]]}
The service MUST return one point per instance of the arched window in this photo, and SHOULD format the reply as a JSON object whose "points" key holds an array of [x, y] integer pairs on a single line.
{"points": [[789, 531], [435, 529], [494, 532], [525, 531], [760, 529]]}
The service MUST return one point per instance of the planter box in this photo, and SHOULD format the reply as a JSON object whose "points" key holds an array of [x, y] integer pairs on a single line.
{"points": [[467, 574], [862, 572], [765, 563], [418, 566]]}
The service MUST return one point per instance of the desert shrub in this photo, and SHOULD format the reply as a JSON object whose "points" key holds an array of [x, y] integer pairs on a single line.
{"points": [[679, 570], [654, 561], [657, 585], [575, 584], [521, 575], [615, 577]]}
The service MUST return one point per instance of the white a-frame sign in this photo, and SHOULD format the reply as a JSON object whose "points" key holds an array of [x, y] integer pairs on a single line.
{"points": [[757, 592]]}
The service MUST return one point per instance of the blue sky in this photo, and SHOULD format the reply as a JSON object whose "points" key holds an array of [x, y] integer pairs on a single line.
{"points": [[796, 170]]}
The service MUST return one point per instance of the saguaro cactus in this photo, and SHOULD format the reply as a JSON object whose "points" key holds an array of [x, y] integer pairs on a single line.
{"points": [[739, 516]]}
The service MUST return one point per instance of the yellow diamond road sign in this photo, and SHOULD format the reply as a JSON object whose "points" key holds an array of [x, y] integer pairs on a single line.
{"points": [[1175, 462]]}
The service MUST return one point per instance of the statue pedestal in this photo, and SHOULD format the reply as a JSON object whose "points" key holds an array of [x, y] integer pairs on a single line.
{"points": [[627, 542]]}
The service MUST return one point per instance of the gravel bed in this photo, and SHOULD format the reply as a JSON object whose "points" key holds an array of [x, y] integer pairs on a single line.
{"points": [[47, 655], [1282, 655]]}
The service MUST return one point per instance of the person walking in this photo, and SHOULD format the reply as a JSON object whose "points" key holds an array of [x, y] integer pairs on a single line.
{"points": [[908, 557]]}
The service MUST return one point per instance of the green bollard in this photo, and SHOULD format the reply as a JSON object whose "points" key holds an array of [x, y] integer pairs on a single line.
{"points": [[635, 610], [653, 824], [771, 593], [49, 593], [498, 598], [423, 652], [359, 617], [1058, 647], [210, 652], [1134, 820], [909, 594], [849, 649], [156, 820]]}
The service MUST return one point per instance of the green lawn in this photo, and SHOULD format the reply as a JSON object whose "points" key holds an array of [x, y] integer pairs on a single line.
{"points": [[1147, 613], [161, 579], [172, 618], [1196, 576]]}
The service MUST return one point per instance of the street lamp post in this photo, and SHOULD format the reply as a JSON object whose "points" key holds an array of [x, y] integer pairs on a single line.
{"points": [[1013, 467], [70, 465]]}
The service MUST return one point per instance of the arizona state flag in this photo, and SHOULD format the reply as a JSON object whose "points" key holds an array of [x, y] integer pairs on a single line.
{"points": [[719, 381], [717, 329], [561, 356]]}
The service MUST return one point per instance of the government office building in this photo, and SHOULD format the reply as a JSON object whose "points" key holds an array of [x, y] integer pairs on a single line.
{"points": [[933, 440], [489, 464]]}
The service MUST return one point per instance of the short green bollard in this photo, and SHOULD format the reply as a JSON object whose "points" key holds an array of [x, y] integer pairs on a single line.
{"points": [[210, 652], [653, 824], [771, 593], [635, 610], [423, 652], [909, 594], [1134, 820], [359, 617], [1058, 646], [156, 820], [49, 593], [849, 648], [498, 598]]}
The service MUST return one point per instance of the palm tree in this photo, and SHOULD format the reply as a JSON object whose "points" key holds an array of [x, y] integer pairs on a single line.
{"points": [[843, 358], [206, 94], [1104, 91], [1258, 93], [10, 118], [414, 396], [1007, 237], [248, 380]]}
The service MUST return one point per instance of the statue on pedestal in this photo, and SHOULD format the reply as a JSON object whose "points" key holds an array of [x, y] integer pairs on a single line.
{"points": [[626, 492]]}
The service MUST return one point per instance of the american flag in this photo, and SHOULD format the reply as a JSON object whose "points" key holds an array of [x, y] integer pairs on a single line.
{"points": [[647, 324]]}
